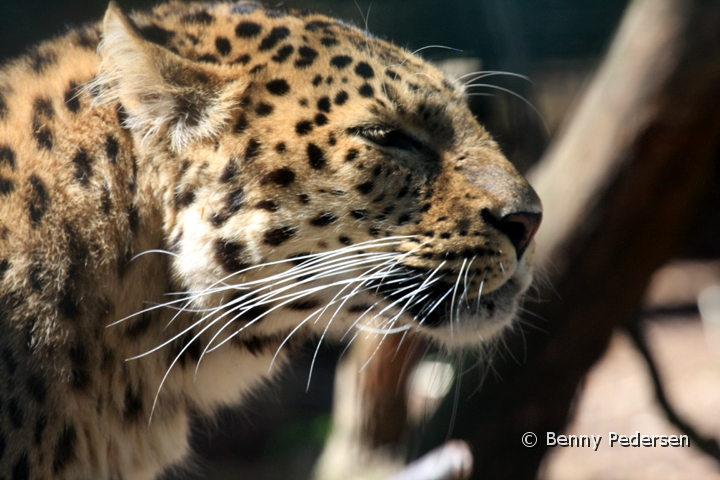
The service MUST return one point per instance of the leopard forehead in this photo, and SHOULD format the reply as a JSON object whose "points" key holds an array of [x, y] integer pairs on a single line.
{"points": [[297, 46], [327, 72]]}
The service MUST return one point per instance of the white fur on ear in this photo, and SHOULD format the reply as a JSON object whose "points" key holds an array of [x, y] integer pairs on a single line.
{"points": [[163, 94]]}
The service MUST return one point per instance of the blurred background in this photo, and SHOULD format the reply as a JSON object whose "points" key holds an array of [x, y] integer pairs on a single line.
{"points": [[557, 44]]}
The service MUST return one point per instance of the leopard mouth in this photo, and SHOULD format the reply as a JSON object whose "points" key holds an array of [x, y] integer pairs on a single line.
{"points": [[451, 303], [434, 303]]}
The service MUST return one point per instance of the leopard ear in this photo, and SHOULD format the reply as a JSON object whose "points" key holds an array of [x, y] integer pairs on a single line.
{"points": [[166, 97]]}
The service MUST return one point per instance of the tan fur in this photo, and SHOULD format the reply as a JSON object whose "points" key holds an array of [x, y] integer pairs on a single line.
{"points": [[155, 191]]}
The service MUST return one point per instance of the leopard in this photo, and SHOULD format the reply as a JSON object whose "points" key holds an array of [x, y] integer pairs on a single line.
{"points": [[190, 193]]}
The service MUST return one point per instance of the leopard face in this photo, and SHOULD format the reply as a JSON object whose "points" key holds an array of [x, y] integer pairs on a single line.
{"points": [[319, 177]]}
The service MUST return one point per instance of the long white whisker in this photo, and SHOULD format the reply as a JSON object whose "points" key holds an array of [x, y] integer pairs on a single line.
{"points": [[217, 309], [312, 259], [366, 328], [145, 310], [516, 95], [437, 302], [464, 295], [413, 53], [347, 297], [491, 73], [322, 336], [354, 324], [312, 275], [424, 286], [421, 74], [272, 296], [482, 283], [299, 325], [278, 290], [395, 302], [427, 47], [455, 289], [167, 342], [157, 250], [287, 299], [374, 353]]}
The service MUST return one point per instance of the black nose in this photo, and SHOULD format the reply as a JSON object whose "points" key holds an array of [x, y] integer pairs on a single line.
{"points": [[520, 227]]}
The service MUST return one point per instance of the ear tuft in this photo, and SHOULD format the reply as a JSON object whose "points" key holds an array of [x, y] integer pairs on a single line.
{"points": [[167, 97]]}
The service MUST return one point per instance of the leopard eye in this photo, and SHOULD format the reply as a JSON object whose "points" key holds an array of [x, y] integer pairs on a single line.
{"points": [[388, 138]]}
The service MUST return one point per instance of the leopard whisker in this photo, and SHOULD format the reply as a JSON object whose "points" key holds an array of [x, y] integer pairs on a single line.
{"points": [[347, 297], [175, 360], [209, 348], [397, 316], [479, 297], [247, 307], [424, 286], [317, 269], [426, 283], [296, 270], [145, 310], [303, 268], [322, 336], [421, 74], [413, 53], [411, 302], [350, 328], [272, 297], [452, 301], [514, 94], [364, 17], [311, 275], [395, 302], [167, 342], [360, 328], [435, 305], [287, 338], [464, 295], [315, 258], [491, 73], [380, 330]]}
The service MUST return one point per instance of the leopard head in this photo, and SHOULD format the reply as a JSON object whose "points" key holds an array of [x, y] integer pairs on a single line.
{"points": [[319, 179]]}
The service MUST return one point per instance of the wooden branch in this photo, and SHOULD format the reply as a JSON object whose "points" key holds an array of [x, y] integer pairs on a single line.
{"points": [[370, 408]]}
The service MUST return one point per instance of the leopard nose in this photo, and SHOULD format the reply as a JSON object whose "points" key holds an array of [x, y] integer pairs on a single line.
{"points": [[519, 227]]}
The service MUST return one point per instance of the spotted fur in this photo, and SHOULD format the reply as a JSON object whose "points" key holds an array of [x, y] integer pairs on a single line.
{"points": [[188, 193]]}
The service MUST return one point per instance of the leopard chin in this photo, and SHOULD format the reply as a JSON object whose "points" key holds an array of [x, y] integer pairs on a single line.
{"points": [[454, 315]]}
